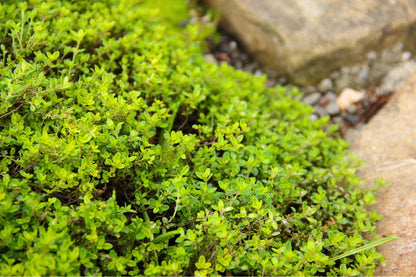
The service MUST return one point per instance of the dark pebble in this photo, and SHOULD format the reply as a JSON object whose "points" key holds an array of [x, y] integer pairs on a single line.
{"points": [[184, 22], [351, 118]]}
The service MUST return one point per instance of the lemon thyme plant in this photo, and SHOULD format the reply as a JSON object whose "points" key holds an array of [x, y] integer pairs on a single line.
{"points": [[124, 152]]}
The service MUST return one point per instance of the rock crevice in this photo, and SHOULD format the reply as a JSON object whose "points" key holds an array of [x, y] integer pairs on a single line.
{"points": [[306, 40]]}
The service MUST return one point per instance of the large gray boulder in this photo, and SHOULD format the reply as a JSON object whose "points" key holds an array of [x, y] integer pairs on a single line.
{"points": [[308, 39], [388, 145]]}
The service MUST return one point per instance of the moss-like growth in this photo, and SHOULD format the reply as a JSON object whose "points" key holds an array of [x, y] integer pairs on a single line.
{"points": [[124, 152]]}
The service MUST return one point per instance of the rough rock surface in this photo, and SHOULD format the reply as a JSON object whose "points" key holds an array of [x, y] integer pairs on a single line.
{"points": [[388, 145], [308, 39]]}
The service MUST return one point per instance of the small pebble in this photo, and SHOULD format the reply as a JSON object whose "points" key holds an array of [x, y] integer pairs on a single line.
{"points": [[282, 80], [355, 69], [342, 82], [320, 111], [271, 83], [406, 56], [312, 98], [205, 19], [309, 90], [313, 117], [364, 73], [271, 73], [234, 55], [351, 118], [332, 108], [345, 70], [325, 85], [349, 96], [225, 48], [258, 73], [244, 58], [194, 20], [371, 56], [233, 45], [328, 97], [337, 120], [210, 58], [351, 108], [335, 75], [223, 57], [250, 67], [184, 22]]}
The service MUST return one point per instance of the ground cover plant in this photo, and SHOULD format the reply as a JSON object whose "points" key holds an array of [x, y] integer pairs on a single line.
{"points": [[123, 152]]}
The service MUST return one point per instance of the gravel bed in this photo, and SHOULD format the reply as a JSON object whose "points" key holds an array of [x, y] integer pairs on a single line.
{"points": [[349, 96]]}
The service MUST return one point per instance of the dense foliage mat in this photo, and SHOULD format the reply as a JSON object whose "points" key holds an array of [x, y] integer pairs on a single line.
{"points": [[124, 152]]}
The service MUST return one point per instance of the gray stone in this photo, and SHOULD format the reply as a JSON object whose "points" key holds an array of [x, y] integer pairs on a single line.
{"points": [[327, 98], [355, 69], [396, 77], [332, 108], [338, 120], [325, 85], [345, 70], [351, 108], [364, 73], [258, 73], [335, 75], [352, 119], [282, 80], [343, 82], [309, 90], [306, 40], [388, 146], [320, 111], [312, 98]]}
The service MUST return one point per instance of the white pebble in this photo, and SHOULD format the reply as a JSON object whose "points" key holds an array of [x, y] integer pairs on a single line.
{"points": [[313, 117], [349, 96], [258, 73], [210, 58], [406, 55], [371, 55], [233, 45]]}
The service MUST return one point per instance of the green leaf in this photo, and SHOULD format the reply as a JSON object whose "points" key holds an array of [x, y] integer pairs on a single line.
{"points": [[166, 236], [365, 247]]}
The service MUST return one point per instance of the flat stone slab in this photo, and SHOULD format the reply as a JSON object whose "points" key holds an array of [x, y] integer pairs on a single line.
{"points": [[306, 40], [388, 145]]}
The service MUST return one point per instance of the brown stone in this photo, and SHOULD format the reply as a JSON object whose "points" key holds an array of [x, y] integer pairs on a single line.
{"points": [[388, 145], [308, 39]]}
